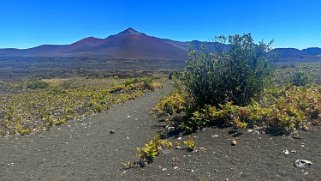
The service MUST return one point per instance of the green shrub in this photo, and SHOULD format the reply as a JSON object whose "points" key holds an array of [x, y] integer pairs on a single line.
{"points": [[281, 109], [37, 84], [237, 74], [168, 105], [300, 79]]}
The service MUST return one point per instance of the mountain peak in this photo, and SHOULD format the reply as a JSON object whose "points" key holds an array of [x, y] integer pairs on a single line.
{"points": [[130, 31]]}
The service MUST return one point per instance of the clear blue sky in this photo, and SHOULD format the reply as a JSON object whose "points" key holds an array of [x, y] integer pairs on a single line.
{"points": [[28, 23]]}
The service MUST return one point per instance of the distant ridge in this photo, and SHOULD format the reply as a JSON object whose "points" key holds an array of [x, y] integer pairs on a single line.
{"points": [[132, 44], [296, 54]]}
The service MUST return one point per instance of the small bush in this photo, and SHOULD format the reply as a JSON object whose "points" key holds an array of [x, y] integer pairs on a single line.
{"points": [[152, 149], [168, 105], [37, 84], [190, 144]]}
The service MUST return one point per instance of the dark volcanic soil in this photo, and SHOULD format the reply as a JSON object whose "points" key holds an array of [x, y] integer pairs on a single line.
{"points": [[88, 151], [255, 157], [82, 150]]}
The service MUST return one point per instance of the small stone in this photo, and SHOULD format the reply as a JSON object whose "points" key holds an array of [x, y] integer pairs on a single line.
{"points": [[170, 128], [164, 169], [300, 163], [306, 173], [305, 128], [179, 138], [296, 136], [176, 168], [286, 152], [112, 131], [233, 142], [250, 130], [215, 136], [293, 151], [256, 132], [302, 145]]}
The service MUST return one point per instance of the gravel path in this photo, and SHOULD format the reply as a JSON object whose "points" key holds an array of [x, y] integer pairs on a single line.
{"points": [[82, 150]]}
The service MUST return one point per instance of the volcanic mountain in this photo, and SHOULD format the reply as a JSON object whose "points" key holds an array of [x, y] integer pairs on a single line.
{"points": [[129, 44], [133, 45]]}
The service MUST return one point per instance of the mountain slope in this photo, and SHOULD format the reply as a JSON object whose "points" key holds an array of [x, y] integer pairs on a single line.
{"points": [[133, 45], [129, 44]]}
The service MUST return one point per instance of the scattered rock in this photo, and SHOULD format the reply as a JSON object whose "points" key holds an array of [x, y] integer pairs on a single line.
{"points": [[179, 138], [176, 168], [300, 163], [293, 151], [164, 169], [302, 145], [215, 136], [170, 128], [233, 142], [296, 136], [305, 128], [286, 152], [112, 131], [256, 132], [250, 130]]}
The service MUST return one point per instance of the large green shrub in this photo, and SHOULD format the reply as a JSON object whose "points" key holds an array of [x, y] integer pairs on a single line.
{"points": [[236, 74]]}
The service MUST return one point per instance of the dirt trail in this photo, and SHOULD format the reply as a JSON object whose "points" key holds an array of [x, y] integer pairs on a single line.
{"points": [[82, 150]]}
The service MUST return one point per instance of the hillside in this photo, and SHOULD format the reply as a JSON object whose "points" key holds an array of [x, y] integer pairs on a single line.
{"points": [[128, 44], [133, 45]]}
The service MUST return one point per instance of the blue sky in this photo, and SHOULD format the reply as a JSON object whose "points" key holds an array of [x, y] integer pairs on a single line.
{"points": [[28, 23]]}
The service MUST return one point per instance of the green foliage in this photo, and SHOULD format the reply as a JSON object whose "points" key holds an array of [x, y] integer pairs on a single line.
{"points": [[168, 105], [190, 144], [299, 75], [282, 109], [152, 149], [237, 75], [300, 79], [37, 84], [35, 110]]}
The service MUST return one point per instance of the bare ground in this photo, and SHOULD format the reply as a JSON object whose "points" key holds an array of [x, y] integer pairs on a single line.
{"points": [[86, 150]]}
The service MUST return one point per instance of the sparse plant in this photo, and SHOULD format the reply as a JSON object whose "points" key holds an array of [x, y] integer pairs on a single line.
{"points": [[190, 144], [168, 105], [152, 149]]}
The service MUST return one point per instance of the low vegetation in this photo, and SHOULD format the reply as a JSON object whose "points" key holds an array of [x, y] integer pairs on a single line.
{"points": [[190, 144], [241, 88], [152, 149], [40, 104]]}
